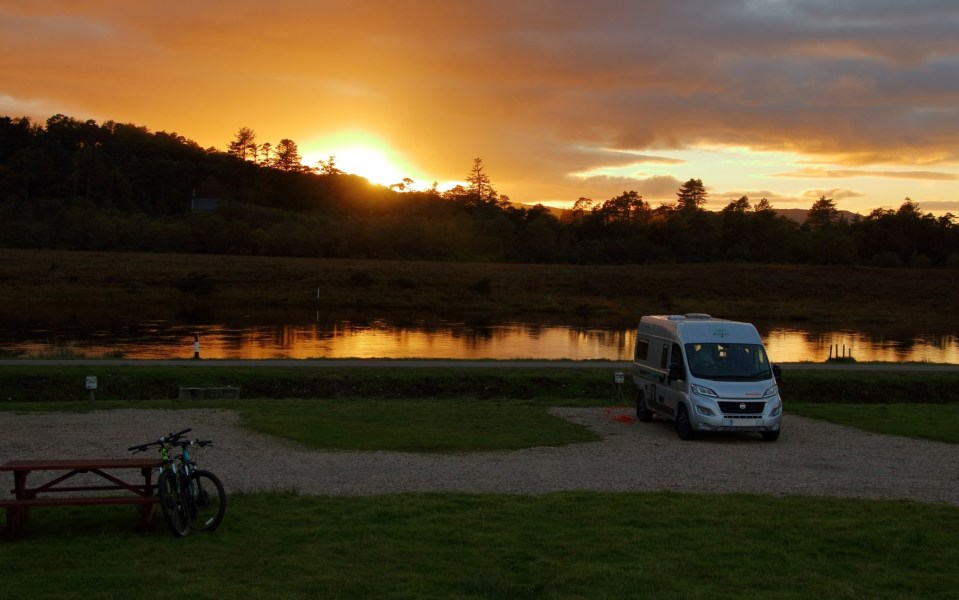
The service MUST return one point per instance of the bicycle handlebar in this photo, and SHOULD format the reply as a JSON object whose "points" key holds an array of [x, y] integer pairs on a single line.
{"points": [[170, 438], [197, 442]]}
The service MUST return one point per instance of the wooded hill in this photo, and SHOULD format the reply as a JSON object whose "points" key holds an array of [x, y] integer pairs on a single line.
{"points": [[69, 184]]}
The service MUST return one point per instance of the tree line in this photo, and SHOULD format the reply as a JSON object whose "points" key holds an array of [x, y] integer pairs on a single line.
{"points": [[81, 185]]}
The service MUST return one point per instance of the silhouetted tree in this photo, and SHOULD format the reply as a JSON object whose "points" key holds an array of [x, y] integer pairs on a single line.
{"points": [[287, 156], [328, 166], [244, 145], [822, 214], [763, 206], [691, 195], [73, 184], [479, 184]]}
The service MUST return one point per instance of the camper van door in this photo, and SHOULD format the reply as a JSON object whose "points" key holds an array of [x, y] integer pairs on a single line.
{"points": [[676, 392]]}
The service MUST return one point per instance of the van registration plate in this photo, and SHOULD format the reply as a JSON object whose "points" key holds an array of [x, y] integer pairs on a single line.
{"points": [[742, 422]]}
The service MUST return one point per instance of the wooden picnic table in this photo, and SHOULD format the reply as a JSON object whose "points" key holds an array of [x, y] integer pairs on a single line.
{"points": [[60, 488]]}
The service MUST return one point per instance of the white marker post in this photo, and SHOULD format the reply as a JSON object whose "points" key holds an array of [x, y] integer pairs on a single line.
{"points": [[196, 346]]}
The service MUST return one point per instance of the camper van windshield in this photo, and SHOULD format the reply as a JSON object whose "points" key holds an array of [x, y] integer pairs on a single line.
{"points": [[728, 362]]}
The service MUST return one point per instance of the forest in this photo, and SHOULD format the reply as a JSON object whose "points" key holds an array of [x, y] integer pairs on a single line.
{"points": [[79, 185]]}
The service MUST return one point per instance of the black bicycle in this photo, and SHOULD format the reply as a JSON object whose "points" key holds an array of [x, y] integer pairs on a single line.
{"points": [[189, 497], [203, 491]]}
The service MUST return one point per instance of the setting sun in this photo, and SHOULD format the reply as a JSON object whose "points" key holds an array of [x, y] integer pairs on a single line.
{"points": [[360, 154]]}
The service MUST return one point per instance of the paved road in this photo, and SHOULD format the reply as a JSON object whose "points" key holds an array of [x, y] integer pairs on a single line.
{"points": [[445, 364]]}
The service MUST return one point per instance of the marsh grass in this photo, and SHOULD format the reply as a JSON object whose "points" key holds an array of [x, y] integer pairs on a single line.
{"points": [[50, 282], [564, 545]]}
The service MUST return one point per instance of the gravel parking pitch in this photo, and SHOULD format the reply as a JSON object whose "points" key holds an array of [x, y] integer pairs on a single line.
{"points": [[811, 458]]}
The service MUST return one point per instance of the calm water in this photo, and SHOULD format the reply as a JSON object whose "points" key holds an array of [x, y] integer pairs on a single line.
{"points": [[385, 339]]}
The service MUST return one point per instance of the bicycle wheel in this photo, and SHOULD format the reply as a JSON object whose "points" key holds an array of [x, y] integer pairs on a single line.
{"points": [[172, 503], [208, 499]]}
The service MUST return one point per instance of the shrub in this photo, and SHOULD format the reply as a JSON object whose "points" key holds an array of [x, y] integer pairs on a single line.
{"points": [[361, 279], [198, 284]]}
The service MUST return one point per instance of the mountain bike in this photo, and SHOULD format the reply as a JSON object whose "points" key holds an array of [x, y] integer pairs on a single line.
{"points": [[172, 503], [189, 497], [202, 490]]}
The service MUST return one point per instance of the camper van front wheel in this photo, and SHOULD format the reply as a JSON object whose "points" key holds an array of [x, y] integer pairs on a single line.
{"points": [[642, 411], [683, 427]]}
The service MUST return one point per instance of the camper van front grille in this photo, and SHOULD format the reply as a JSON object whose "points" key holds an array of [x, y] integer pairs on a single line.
{"points": [[742, 408]]}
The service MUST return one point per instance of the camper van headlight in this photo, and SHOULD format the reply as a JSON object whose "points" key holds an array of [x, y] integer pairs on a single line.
{"points": [[771, 392], [703, 391]]}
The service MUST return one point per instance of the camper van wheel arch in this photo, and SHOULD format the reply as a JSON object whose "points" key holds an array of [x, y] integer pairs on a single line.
{"points": [[642, 411], [683, 427]]}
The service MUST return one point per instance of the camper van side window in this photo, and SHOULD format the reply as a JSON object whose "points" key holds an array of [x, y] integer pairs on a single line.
{"points": [[642, 350], [677, 355], [665, 360]]}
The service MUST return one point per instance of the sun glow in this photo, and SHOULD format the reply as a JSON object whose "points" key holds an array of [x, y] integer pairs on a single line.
{"points": [[362, 154]]}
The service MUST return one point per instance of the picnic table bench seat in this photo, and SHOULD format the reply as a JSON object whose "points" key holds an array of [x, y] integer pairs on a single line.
{"points": [[25, 497]]}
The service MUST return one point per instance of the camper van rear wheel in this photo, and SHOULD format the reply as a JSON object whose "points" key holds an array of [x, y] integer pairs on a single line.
{"points": [[683, 427], [642, 411]]}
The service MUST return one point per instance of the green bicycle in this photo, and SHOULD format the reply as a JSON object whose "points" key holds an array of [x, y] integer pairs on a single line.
{"points": [[190, 497]]}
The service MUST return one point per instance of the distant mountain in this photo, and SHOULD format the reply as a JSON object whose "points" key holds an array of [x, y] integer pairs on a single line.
{"points": [[799, 214]]}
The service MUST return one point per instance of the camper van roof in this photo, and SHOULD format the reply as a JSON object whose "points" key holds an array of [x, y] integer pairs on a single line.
{"points": [[700, 327]]}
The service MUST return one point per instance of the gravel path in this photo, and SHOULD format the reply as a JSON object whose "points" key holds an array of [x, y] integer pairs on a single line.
{"points": [[810, 458]]}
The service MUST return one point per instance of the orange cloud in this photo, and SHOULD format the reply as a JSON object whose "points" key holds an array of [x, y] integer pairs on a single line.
{"points": [[540, 89], [817, 173]]}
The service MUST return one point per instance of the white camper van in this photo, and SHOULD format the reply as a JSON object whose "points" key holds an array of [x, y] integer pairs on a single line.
{"points": [[705, 374]]}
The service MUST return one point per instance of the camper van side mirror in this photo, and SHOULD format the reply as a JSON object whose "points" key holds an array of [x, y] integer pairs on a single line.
{"points": [[675, 371], [778, 373]]}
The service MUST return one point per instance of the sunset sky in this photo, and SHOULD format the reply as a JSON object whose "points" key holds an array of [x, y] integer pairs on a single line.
{"points": [[855, 100]]}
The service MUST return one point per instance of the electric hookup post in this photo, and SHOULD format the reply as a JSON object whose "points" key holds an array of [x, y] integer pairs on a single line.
{"points": [[91, 385], [618, 379]]}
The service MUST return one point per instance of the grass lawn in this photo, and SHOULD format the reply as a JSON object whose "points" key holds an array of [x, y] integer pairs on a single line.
{"points": [[410, 425], [929, 421], [564, 545], [414, 425], [567, 545]]}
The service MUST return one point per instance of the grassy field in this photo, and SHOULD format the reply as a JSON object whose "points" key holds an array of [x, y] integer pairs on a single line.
{"points": [[919, 420], [564, 545], [157, 285], [461, 409]]}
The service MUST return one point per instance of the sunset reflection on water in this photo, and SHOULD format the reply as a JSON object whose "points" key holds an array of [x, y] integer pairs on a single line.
{"points": [[383, 339]]}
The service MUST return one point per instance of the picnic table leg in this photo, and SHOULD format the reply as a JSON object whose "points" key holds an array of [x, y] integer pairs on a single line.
{"points": [[147, 511], [21, 514], [15, 518], [146, 516]]}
